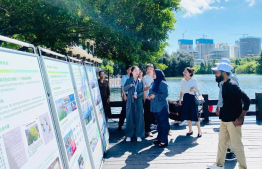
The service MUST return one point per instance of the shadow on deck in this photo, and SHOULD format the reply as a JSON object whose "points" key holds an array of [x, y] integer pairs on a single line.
{"points": [[183, 151]]}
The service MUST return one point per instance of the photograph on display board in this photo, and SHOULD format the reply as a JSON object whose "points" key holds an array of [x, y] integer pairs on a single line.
{"points": [[94, 141], [87, 112], [70, 144], [47, 131], [55, 165], [32, 133], [81, 163], [65, 105]]}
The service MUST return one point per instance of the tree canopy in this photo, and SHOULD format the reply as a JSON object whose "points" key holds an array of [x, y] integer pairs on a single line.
{"points": [[127, 31]]}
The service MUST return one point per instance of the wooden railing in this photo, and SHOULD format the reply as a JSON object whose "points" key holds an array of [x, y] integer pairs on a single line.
{"points": [[206, 113]]}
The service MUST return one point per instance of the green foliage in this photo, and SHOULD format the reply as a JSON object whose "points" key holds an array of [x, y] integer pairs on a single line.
{"points": [[127, 31], [32, 135], [259, 65], [205, 67], [247, 68], [161, 66]]}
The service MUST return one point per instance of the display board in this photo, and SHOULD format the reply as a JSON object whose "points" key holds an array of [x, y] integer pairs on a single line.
{"points": [[27, 135], [97, 100], [65, 108], [88, 113]]}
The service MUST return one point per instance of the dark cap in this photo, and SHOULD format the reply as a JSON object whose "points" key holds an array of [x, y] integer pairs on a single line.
{"points": [[127, 67]]}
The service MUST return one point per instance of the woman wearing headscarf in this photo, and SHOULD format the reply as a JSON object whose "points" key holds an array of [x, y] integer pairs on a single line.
{"points": [[159, 106], [134, 106]]}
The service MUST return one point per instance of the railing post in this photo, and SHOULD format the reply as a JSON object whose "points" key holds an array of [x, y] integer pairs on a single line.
{"points": [[205, 108], [259, 106]]}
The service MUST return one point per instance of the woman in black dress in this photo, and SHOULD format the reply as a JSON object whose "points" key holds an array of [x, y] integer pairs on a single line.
{"points": [[105, 93], [189, 87]]}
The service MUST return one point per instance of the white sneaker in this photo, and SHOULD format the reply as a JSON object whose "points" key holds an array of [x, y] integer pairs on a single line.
{"points": [[183, 123], [214, 166], [128, 139], [176, 122], [139, 139]]}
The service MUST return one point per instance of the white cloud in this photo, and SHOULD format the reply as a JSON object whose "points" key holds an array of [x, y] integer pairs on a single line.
{"points": [[194, 7], [251, 2]]}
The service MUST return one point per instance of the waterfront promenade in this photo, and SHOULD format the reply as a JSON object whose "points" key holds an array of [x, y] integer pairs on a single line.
{"points": [[183, 152]]}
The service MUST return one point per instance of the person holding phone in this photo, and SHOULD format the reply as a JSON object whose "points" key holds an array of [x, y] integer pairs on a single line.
{"points": [[232, 117], [134, 106], [189, 87], [159, 106]]}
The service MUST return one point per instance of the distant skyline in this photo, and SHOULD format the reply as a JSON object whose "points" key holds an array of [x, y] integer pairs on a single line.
{"points": [[224, 21]]}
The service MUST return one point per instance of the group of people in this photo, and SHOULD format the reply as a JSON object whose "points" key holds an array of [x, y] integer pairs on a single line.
{"points": [[145, 103]]}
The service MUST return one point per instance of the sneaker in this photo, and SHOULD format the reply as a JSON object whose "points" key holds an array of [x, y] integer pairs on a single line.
{"points": [[170, 132], [183, 123], [214, 166], [128, 139], [153, 127], [149, 134], [230, 157], [176, 122], [139, 139]]}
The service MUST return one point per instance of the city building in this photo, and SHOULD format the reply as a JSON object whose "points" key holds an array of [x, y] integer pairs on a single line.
{"points": [[204, 48], [235, 51], [186, 45], [250, 46], [221, 51]]}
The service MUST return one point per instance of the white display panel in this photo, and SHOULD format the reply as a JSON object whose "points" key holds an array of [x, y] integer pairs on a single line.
{"points": [[88, 113], [92, 79], [66, 110], [27, 136]]}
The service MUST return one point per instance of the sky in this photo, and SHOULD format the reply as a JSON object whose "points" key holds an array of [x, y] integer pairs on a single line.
{"points": [[225, 21]]}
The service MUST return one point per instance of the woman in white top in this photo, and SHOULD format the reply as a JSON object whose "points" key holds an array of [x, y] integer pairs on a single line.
{"points": [[190, 112]]}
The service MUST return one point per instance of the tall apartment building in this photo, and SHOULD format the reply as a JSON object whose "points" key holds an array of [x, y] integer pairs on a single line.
{"points": [[250, 46], [186, 45], [204, 47], [235, 51]]}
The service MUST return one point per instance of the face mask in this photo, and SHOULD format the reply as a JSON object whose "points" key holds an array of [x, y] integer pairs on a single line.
{"points": [[220, 78]]}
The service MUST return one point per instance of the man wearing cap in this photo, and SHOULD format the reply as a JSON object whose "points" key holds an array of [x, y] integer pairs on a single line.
{"points": [[232, 117], [124, 95], [230, 152]]}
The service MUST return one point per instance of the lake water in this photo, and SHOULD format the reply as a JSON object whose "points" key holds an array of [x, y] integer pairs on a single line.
{"points": [[250, 84]]}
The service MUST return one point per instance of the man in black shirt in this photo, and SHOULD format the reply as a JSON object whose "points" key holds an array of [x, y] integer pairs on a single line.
{"points": [[232, 117]]}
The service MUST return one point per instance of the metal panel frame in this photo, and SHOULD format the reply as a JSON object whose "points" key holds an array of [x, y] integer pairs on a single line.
{"points": [[105, 149], [41, 73], [81, 111]]}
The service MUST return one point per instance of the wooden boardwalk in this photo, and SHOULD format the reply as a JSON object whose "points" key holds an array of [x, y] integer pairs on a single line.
{"points": [[183, 152]]}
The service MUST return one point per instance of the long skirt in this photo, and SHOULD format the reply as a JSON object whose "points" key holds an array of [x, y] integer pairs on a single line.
{"points": [[189, 108]]}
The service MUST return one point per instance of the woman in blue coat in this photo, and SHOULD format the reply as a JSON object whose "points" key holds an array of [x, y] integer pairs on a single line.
{"points": [[134, 106], [159, 106]]}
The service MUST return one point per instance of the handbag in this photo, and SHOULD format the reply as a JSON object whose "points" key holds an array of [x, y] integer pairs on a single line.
{"points": [[199, 99]]}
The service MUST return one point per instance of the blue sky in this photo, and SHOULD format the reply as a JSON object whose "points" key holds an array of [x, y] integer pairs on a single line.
{"points": [[222, 20]]}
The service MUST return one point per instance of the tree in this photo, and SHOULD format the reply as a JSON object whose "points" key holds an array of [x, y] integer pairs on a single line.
{"points": [[127, 31], [259, 65]]}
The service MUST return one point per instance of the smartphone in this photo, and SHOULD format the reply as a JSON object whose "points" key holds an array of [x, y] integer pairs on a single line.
{"points": [[234, 123], [135, 93]]}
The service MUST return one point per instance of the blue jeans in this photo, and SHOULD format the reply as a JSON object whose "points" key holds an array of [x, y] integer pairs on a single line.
{"points": [[162, 125]]}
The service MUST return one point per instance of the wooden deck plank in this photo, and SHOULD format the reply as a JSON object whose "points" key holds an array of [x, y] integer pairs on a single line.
{"points": [[183, 152]]}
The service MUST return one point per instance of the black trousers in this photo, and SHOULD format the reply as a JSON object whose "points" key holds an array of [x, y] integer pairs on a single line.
{"points": [[148, 116], [122, 114], [174, 108]]}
